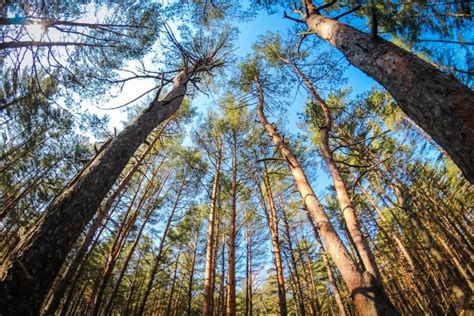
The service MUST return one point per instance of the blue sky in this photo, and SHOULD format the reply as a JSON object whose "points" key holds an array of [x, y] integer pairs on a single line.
{"points": [[249, 33], [263, 23]]}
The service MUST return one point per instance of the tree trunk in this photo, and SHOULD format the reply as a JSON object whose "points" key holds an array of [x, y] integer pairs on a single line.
{"points": [[191, 276], [231, 303], [331, 279], [80, 269], [159, 255], [108, 305], [272, 221], [208, 290], [367, 297], [353, 226], [126, 309], [292, 256], [248, 272], [118, 243], [436, 101], [461, 292], [393, 233], [221, 299], [173, 284], [29, 271], [177, 301], [147, 216], [60, 288]]}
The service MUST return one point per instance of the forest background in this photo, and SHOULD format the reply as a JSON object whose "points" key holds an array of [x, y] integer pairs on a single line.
{"points": [[204, 214]]}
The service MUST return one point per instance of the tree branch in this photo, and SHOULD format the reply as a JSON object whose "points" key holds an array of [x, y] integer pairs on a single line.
{"points": [[347, 12], [286, 16], [44, 44], [327, 5], [48, 23]]}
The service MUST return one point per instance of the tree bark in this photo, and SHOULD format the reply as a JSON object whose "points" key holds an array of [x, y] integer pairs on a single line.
{"points": [[248, 272], [272, 221], [29, 271], [352, 222], [173, 285], [436, 101], [118, 244], [292, 257], [161, 248], [231, 300], [367, 297], [191, 275], [208, 290]]}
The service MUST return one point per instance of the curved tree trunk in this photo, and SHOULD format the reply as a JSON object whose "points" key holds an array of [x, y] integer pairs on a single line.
{"points": [[352, 222], [29, 271], [436, 101], [367, 297]]}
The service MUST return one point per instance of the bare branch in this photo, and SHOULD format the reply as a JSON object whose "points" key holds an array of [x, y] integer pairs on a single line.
{"points": [[286, 16], [347, 12], [44, 44], [327, 5]]}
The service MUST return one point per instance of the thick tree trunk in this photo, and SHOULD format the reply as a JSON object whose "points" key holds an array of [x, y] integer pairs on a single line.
{"points": [[352, 222], [29, 271], [208, 290], [436, 101], [367, 297], [60, 288], [62, 284]]}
